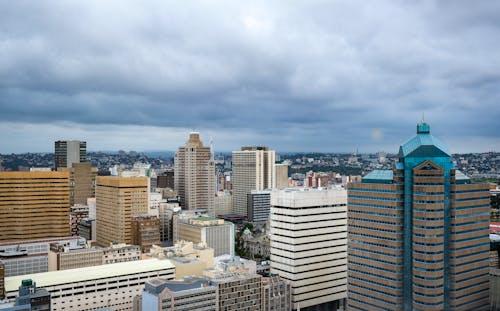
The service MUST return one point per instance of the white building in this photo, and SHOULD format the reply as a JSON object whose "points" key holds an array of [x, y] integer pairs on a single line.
{"points": [[309, 244], [112, 286], [253, 169]]}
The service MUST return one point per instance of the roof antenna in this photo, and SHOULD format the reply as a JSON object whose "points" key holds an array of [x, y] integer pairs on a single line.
{"points": [[423, 117]]}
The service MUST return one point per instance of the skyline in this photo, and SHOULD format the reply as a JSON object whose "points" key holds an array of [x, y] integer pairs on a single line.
{"points": [[309, 76]]}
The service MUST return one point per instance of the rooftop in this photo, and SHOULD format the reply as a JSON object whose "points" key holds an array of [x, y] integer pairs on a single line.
{"points": [[379, 176], [423, 144], [52, 278]]}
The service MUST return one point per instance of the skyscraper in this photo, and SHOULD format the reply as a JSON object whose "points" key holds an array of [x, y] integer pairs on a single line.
{"points": [[253, 169], [194, 175], [34, 205], [418, 234], [68, 152], [309, 245], [118, 199]]}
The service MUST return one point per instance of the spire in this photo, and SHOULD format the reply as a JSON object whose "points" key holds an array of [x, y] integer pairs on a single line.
{"points": [[423, 128]]}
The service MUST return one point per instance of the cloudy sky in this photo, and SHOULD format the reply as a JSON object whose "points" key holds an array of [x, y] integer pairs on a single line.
{"points": [[294, 75]]}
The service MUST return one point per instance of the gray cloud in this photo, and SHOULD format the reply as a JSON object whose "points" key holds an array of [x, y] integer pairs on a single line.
{"points": [[307, 75]]}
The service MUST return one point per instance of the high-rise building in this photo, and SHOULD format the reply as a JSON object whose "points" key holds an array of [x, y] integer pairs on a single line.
{"points": [[418, 234], [253, 169], [194, 178], [118, 199], [216, 233], [281, 176], [34, 205], [165, 180], [146, 231], [68, 152], [166, 212], [309, 245], [259, 206], [82, 178], [77, 213]]}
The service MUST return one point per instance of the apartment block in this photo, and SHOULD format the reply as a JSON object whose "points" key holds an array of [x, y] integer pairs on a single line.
{"points": [[253, 169], [112, 286], [418, 234], [309, 245], [34, 205], [118, 199]]}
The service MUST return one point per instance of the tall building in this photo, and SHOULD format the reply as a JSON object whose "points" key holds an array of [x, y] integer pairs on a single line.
{"points": [[259, 206], [68, 152], [253, 169], [165, 180], [118, 199], [34, 205], [281, 176], [194, 178], [82, 178], [309, 245], [418, 234]]}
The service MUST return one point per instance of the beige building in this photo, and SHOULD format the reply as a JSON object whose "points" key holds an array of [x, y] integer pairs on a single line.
{"points": [[239, 292], [223, 203], [216, 233], [82, 178], [281, 176], [111, 286], [118, 199], [195, 175], [277, 294], [34, 205], [253, 169], [309, 245]]}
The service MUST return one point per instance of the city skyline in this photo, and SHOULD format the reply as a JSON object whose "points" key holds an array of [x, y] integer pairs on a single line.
{"points": [[313, 76]]}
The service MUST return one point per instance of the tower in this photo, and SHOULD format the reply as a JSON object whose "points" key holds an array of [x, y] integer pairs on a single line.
{"points": [[418, 234], [194, 175], [253, 169]]}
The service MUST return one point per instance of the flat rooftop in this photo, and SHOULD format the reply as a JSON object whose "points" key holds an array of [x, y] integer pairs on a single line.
{"points": [[52, 278]]}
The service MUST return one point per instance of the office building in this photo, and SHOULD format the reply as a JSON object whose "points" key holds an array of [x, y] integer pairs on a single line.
{"points": [[166, 212], [184, 295], [76, 214], [259, 206], [63, 257], [82, 179], [112, 286], [146, 231], [309, 245], [216, 233], [418, 234], [223, 203], [120, 252], [253, 169], [31, 256], [118, 199], [195, 175], [281, 176], [68, 152], [165, 180], [277, 294], [34, 205], [238, 291]]}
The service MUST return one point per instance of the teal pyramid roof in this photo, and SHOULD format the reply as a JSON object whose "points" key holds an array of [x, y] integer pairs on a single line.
{"points": [[423, 144]]}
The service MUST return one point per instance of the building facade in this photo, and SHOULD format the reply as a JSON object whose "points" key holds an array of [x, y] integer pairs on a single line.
{"points": [[281, 176], [146, 231], [418, 234], [118, 199], [277, 294], [253, 169], [309, 245], [68, 152], [216, 233], [259, 206], [82, 179], [194, 178], [34, 205]]}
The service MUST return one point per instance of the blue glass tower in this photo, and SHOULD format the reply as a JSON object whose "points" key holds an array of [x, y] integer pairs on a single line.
{"points": [[418, 234]]}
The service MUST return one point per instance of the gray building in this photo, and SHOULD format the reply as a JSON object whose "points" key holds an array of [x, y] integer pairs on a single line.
{"points": [[184, 295], [68, 152], [277, 294], [259, 206]]}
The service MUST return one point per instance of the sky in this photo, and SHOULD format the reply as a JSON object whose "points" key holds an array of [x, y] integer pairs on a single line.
{"points": [[323, 76]]}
